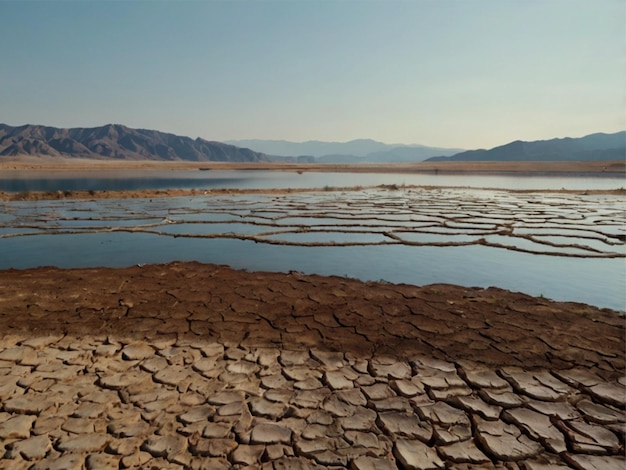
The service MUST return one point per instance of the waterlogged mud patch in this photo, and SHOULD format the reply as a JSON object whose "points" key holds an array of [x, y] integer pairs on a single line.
{"points": [[568, 224]]}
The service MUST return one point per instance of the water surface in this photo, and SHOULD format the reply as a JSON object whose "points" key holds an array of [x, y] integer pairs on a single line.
{"points": [[109, 180], [569, 247]]}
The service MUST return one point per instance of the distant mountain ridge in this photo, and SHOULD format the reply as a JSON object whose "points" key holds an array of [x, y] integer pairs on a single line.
{"points": [[115, 141], [593, 147], [354, 151]]}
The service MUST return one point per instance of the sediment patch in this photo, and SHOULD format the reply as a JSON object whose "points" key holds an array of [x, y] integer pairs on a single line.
{"points": [[187, 365]]}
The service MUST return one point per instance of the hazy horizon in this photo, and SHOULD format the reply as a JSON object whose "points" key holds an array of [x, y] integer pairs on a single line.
{"points": [[417, 144], [444, 74]]}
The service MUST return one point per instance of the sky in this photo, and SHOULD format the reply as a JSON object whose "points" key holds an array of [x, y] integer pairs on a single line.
{"points": [[448, 73]]}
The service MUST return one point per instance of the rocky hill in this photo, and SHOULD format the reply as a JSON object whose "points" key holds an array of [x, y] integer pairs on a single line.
{"points": [[593, 147], [115, 141]]}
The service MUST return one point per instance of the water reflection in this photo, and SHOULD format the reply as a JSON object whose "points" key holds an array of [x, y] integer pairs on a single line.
{"points": [[110, 180], [569, 248], [597, 282]]}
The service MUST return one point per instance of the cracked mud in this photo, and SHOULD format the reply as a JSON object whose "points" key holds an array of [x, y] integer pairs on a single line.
{"points": [[572, 225], [188, 365]]}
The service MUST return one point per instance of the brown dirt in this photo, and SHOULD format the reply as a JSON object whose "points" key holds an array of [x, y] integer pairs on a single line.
{"points": [[61, 165], [43, 163], [490, 326]]}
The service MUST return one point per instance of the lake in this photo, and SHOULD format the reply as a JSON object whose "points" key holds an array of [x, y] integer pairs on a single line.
{"points": [[109, 180], [562, 246]]}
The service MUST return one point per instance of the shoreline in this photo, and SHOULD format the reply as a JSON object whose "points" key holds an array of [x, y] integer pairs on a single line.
{"points": [[56, 166], [96, 294], [189, 365], [166, 193], [613, 167]]}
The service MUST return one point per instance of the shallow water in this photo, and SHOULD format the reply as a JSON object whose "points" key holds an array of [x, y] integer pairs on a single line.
{"points": [[573, 251], [51, 180]]}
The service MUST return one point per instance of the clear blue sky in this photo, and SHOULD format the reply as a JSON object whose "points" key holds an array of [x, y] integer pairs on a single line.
{"points": [[466, 73]]}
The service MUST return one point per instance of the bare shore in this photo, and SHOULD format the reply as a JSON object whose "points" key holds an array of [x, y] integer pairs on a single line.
{"points": [[191, 366], [57, 165], [42, 163], [102, 300]]}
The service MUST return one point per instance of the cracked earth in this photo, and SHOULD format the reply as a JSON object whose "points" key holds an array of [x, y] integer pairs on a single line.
{"points": [[572, 225], [191, 366]]}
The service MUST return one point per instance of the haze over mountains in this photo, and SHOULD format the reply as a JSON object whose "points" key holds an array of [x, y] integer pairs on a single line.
{"points": [[118, 142], [354, 151]]}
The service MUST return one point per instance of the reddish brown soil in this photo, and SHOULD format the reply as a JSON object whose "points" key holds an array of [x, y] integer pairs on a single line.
{"points": [[491, 326]]}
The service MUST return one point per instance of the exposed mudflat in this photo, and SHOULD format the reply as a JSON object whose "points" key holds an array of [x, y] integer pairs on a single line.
{"points": [[54, 163], [570, 224], [188, 365]]}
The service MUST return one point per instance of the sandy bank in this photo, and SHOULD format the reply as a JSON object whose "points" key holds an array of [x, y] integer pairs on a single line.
{"points": [[46, 163]]}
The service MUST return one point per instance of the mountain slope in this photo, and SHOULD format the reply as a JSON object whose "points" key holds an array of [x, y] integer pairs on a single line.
{"points": [[593, 147], [115, 141]]}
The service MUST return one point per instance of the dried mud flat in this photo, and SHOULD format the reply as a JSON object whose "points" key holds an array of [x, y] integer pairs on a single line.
{"points": [[572, 224], [188, 365], [554, 167]]}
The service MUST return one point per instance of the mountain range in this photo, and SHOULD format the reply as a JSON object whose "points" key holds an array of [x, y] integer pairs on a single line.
{"points": [[593, 147], [354, 151], [115, 141]]}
